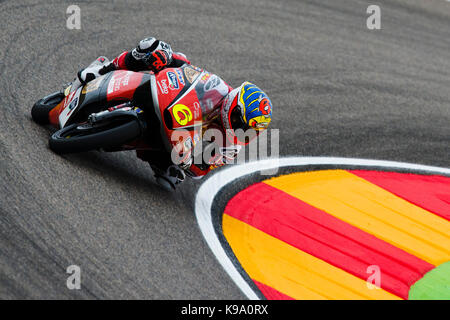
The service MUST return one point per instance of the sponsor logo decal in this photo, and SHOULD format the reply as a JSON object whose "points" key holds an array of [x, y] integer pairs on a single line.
{"points": [[173, 80], [180, 76], [213, 82], [73, 104], [117, 82], [197, 109], [182, 114], [191, 74], [163, 87], [91, 86], [205, 77], [70, 104]]}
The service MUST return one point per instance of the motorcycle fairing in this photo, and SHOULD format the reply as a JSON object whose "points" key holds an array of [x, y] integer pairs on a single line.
{"points": [[176, 105], [105, 91], [122, 85], [211, 90]]}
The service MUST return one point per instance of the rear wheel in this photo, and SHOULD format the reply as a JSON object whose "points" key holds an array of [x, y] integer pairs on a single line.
{"points": [[42, 107], [82, 137]]}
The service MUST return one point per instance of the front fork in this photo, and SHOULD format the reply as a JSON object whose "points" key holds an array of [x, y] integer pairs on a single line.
{"points": [[121, 111]]}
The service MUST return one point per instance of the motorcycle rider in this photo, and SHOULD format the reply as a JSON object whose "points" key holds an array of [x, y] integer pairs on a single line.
{"points": [[226, 110]]}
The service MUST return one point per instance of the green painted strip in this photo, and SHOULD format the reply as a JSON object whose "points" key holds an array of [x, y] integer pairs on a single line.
{"points": [[435, 285]]}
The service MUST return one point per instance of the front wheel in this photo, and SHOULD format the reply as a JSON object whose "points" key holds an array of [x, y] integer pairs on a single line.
{"points": [[82, 137]]}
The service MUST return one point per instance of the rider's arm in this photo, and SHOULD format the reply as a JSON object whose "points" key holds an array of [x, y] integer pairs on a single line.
{"points": [[178, 59], [150, 54]]}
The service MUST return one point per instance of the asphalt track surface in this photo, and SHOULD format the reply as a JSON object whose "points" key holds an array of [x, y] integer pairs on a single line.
{"points": [[338, 89]]}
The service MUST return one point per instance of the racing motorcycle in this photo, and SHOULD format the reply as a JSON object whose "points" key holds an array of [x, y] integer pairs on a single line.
{"points": [[117, 112]]}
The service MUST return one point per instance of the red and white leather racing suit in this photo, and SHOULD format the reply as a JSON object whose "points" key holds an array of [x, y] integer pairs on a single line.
{"points": [[212, 91]]}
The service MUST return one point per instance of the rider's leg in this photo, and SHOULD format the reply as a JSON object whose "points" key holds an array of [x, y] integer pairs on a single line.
{"points": [[167, 174]]}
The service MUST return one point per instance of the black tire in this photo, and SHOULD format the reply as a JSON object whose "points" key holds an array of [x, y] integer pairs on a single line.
{"points": [[84, 137], [42, 107]]}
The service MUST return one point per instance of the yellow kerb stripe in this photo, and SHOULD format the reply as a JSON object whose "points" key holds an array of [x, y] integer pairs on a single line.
{"points": [[291, 271], [372, 209]]}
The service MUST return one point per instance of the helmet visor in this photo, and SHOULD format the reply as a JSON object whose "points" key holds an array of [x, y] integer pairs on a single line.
{"points": [[236, 119]]}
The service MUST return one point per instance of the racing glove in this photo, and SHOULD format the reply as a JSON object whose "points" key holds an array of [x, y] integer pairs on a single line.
{"points": [[156, 60]]}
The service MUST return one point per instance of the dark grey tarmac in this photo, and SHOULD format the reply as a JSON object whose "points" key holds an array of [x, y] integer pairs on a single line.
{"points": [[338, 89]]}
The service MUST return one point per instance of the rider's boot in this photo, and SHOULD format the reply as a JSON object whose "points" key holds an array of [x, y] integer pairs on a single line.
{"points": [[168, 179]]}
